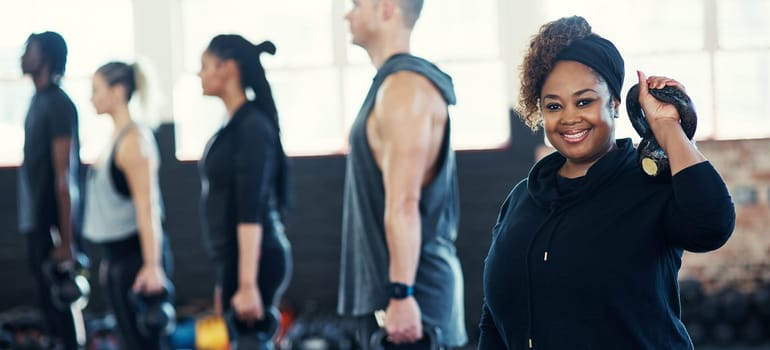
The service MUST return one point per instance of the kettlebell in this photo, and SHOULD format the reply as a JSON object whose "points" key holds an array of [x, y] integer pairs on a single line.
{"points": [[211, 333], [430, 336], [155, 313], [257, 336], [652, 158], [67, 287]]}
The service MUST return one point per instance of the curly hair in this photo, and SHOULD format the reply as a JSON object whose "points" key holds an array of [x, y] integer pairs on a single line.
{"points": [[552, 38]]}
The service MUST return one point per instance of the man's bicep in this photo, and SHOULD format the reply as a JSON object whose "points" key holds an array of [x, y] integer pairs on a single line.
{"points": [[403, 123]]}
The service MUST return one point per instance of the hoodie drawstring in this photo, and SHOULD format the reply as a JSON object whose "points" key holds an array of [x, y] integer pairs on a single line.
{"points": [[530, 312], [549, 237]]}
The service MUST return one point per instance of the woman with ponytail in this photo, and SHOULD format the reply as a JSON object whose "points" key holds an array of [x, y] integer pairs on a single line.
{"points": [[124, 208], [244, 184]]}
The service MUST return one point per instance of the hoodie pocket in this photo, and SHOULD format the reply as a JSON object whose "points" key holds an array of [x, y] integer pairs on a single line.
{"points": [[584, 334]]}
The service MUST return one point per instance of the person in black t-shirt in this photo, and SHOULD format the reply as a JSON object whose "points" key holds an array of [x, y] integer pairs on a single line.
{"points": [[244, 184], [48, 186]]}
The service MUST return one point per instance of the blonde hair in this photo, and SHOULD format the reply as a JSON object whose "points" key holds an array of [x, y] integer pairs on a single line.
{"points": [[138, 79]]}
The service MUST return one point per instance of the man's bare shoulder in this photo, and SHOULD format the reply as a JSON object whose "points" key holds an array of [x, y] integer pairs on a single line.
{"points": [[407, 94], [407, 82]]}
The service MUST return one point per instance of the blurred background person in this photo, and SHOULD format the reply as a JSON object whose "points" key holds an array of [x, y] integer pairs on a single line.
{"points": [[244, 184], [48, 189], [124, 208]]}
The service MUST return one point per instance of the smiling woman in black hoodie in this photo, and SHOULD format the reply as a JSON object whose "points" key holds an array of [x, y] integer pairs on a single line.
{"points": [[586, 251]]}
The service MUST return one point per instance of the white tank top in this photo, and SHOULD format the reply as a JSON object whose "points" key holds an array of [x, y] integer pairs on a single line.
{"points": [[109, 214]]}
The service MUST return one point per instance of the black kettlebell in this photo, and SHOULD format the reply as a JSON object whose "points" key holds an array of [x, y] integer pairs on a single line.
{"points": [[259, 335], [431, 336], [67, 287], [155, 313], [652, 159]]}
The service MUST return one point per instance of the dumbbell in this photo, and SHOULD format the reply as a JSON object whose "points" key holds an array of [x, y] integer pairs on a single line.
{"points": [[209, 333], [67, 287], [430, 337], [155, 313], [652, 158], [258, 335]]}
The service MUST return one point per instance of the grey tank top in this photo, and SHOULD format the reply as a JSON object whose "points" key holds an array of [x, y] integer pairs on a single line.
{"points": [[365, 261], [109, 214]]}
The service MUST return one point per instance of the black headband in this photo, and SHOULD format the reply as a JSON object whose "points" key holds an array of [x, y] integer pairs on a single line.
{"points": [[602, 56]]}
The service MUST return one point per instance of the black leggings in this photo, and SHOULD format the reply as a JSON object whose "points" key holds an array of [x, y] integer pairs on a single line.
{"points": [[273, 277], [124, 259], [59, 323]]}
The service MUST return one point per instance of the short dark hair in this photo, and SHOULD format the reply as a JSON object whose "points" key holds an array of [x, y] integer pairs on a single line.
{"points": [[411, 9], [54, 50]]}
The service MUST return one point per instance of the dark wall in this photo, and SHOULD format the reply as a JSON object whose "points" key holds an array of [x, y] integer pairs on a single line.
{"points": [[313, 227]]}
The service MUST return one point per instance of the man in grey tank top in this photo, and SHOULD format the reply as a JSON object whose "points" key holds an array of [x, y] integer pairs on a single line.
{"points": [[401, 203]]}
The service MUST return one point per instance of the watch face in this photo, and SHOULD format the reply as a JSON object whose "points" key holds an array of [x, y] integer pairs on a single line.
{"points": [[399, 290]]}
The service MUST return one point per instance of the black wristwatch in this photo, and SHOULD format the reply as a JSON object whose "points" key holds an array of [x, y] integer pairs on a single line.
{"points": [[399, 290]]}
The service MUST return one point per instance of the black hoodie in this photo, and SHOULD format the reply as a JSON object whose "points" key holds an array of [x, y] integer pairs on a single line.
{"points": [[592, 262]]}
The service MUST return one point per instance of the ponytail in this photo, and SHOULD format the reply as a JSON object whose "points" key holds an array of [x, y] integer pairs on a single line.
{"points": [[138, 80], [145, 79]]}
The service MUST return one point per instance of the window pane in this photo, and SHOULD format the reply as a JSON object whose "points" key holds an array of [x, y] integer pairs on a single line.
{"points": [[357, 80], [743, 23], [196, 117], [301, 32], [88, 48], [449, 30], [95, 130], [14, 101], [742, 83], [480, 118], [10, 56], [456, 29], [308, 102], [639, 26]]}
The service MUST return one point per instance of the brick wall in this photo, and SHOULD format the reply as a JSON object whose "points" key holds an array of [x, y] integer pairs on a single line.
{"points": [[745, 167]]}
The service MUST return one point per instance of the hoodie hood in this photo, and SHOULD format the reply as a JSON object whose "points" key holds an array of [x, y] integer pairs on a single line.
{"points": [[542, 186], [405, 61]]}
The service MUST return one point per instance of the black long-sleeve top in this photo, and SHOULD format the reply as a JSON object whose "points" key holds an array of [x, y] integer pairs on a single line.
{"points": [[592, 263], [239, 175]]}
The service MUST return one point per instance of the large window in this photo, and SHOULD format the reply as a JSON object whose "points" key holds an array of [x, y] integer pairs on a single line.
{"points": [[718, 49], [95, 31], [319, 80]]}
